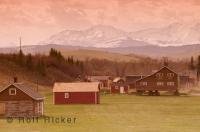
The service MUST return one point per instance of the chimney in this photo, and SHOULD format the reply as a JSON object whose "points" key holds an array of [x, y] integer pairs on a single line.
{"points": [[15, 79]]}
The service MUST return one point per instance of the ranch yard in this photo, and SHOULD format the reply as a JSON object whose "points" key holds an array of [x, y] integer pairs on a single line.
{"points": [[116, 113]]}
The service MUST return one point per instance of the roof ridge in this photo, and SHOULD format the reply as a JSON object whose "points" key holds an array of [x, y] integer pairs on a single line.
{"points": [[155, 73]]}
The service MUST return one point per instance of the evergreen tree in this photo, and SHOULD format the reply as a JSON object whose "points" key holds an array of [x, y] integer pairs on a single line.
{"points": [[192, 66], [56, 54], [29, 62], [165, 63], [20, 57], [41, 67], [198, 68]]}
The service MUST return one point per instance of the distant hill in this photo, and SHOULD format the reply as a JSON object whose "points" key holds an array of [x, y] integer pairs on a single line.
{"points": [[174, 52], [81, 53], [114, 53]]}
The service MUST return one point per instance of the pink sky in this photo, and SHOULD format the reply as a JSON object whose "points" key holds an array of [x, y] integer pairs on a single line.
{"points": [[36, 20]]}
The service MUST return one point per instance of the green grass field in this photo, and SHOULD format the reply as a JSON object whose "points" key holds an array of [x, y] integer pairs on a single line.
{"points": [[117, 113]]}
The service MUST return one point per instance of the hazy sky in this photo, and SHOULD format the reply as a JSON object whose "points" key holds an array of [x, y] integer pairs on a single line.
{"points": [[36, 20]]}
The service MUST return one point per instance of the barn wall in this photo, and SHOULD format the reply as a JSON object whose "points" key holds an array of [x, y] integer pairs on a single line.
{"points": [[76, 98], [98, 97], [21, 108], [152, 82], [18, 108], [114, 90]]}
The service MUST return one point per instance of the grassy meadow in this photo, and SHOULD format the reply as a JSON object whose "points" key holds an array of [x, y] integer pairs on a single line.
{"points": [[116, 113]]}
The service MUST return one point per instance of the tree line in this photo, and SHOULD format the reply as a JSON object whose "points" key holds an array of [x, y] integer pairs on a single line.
{"points": [[195, 66], [56, 67], [40, 64]]}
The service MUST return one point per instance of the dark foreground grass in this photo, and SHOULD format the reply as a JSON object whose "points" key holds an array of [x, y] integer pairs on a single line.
{"points": [[118, 113]]}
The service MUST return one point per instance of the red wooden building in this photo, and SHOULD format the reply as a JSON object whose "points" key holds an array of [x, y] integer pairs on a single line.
{"points": [[20, 100], [76, 93], [131, 80], [104, 81], [119, 86], [163, 80]]}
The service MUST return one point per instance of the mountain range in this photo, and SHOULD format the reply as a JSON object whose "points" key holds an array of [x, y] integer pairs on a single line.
{"points": [[102, 36], [106, 42], [96, 36]]}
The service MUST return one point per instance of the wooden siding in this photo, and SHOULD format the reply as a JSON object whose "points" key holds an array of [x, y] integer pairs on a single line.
{"points": [[4, 95], [116, 88], [2, 108], [77, 98], [22, 108], [153, 80], [20, 105]]}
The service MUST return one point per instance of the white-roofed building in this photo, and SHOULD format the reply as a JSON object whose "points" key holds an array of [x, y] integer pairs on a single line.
{"points": [[76, 93]]}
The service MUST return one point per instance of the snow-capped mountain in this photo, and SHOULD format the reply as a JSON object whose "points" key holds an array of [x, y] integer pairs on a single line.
{"points": [[102, 36], [174, 34], [96, 36]]}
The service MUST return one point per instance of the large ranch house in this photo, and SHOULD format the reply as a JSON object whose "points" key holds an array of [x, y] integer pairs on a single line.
{"points": [[163, 80], [20, 100]]}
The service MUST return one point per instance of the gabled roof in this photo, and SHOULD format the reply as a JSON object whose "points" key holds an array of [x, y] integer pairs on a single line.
{"points": [[117, 79], [98, 78], [76, 87], [165, 67], [26, 89]]}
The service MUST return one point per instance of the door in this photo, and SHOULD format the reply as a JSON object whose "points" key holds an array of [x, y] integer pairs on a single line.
{"points": [[2, 108], [121, 89]]}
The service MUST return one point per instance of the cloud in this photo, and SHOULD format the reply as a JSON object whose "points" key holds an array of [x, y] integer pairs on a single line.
{"points": [[28, 17]]}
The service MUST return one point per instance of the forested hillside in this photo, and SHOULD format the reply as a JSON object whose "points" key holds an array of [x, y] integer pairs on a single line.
{"points": [[47, 69]]}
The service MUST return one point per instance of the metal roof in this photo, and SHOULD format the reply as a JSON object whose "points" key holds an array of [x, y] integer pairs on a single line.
{"points": [[26, 89], [76, 87], [164, 67], [98, 78]]}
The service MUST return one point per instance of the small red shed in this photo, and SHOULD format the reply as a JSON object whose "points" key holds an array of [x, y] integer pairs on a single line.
{"points": [[119, 86], [20, 100], [76, 93]]}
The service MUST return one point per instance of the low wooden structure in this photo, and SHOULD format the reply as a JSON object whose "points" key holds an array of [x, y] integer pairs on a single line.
{"points": [[105, 81], [119, 86], [76, 93], [163, 80], [20, 100], [186, 81], [131, 80]]}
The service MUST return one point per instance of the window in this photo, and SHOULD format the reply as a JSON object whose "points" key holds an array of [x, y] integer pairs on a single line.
{"points": [[12, 91], [170, 83], [143, 83], [40, 107], [159, 75], [116, 87], [66, 95], [170, 75], [160, 83]]}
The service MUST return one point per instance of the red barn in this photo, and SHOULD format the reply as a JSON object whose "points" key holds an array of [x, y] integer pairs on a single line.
{"points": [[119, 86], [76, 93], [163, 80], [20, 100]]}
